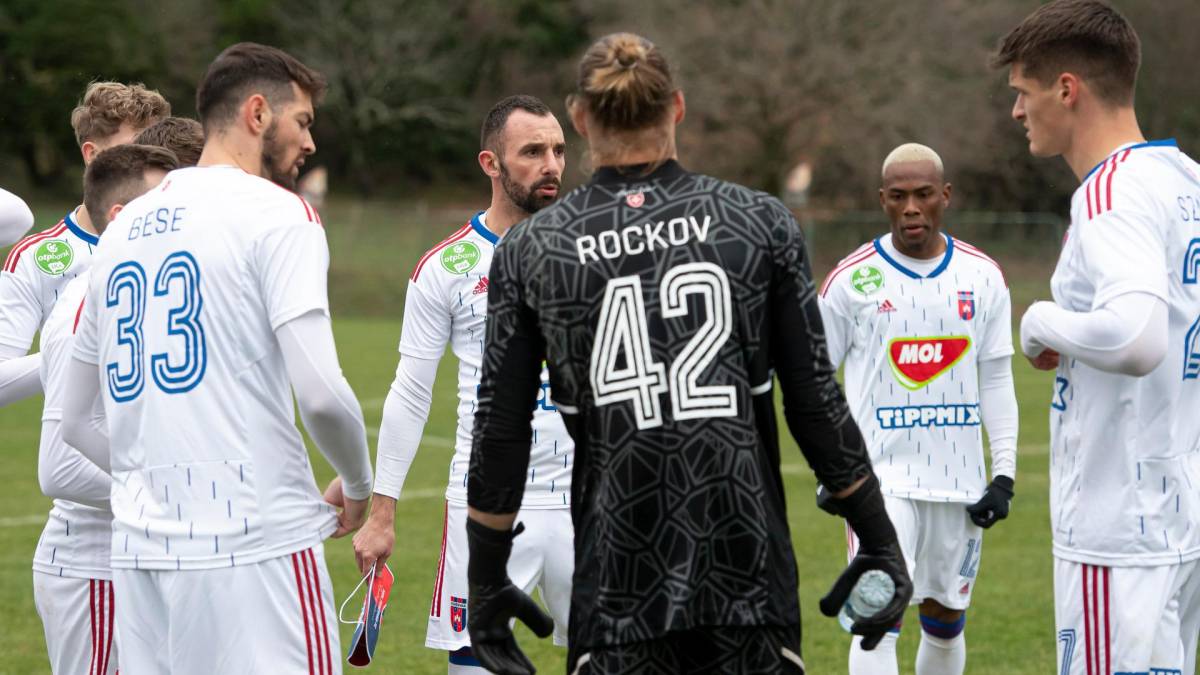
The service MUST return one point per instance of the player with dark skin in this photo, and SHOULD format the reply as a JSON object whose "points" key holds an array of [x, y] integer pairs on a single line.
{"points": [[915, 196]]}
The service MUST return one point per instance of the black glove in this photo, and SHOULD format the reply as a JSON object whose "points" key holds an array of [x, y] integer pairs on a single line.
{"points": [[879, 549], [993, 505], [494, 600], [826, 502]]}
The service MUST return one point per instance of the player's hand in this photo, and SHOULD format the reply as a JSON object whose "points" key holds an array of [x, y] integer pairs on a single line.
{"points": [[1047, 360], [993, 506], [353, 513], [872, 628], [494, 601], [374, 542]]}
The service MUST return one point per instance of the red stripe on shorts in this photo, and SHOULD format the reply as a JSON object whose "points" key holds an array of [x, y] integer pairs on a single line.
{"points": [[303, 611]]}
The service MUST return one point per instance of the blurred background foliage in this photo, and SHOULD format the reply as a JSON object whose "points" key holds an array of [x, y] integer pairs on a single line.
{"points": [[836, 83]]}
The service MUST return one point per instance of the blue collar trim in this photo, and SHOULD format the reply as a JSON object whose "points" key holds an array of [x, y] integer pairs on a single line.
{"points": [[938, 270], [482, 230], [79, 231], [1164, 143]]}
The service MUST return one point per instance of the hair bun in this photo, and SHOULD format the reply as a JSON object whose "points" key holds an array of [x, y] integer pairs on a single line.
{"points": [[627, 53]]}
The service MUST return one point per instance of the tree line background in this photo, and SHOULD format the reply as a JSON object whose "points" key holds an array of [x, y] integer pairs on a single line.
{"points": [[837, 83]]}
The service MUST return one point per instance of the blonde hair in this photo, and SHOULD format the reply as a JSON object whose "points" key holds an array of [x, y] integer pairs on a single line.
{"points": [[913, 152], [625, 82], [107, 105]]}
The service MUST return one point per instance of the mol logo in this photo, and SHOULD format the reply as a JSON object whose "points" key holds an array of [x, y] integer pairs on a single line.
{"points": [[918, 361]]}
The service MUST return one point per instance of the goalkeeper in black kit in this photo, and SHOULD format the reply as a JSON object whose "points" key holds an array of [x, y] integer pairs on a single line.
{"points": [[666, 304]]}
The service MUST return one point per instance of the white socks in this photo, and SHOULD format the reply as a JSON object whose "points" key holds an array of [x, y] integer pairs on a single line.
{"points": [[456, 669], [941, 656], [878, 661]]}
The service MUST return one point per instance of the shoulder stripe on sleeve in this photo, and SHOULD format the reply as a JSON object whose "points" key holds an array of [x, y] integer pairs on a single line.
{"points": [[459, 234], [850, 260], [78, 313], [1099, 190], [14, 256], [972, 251]]}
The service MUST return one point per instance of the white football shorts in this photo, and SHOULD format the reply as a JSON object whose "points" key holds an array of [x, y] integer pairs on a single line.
{"points": [[276, 616], [1126, 619], [941, 546], [543, 556], [77, 618]]}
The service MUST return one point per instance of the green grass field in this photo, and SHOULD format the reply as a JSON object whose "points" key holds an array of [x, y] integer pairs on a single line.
{"points": [[1010, 626]]}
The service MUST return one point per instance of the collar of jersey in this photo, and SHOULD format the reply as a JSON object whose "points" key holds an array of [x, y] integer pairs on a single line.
{"points": [[1163, 143], [636, 173], [83, 234], [482, 230], [938, 270]]}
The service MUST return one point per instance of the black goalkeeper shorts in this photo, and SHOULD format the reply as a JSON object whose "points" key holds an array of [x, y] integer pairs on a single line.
{"points": [[732, 650]]}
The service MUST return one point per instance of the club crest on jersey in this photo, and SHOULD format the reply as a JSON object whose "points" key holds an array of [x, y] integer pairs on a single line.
{"points": [[54, 257], [866, 279], [635, 199], [918, 361], [458, 614], [481, 287], [966, 305], [460, 258]]}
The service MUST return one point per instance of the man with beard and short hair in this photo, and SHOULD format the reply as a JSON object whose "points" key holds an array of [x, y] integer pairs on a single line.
{"points": [[207, 308], [522, 151]]}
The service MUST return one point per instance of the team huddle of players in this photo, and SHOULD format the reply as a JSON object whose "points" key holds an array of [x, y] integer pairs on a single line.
{"points": [[183, 311]]}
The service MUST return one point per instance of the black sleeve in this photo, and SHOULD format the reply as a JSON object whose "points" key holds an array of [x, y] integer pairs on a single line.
{"points": [[813, 404], [508, 388]]}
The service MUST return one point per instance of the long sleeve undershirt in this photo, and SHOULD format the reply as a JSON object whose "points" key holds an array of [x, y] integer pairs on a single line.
{"points": [[1126, 335], [404, 415], [998, 407], [20, 378], [15, 218], [327, 405]]}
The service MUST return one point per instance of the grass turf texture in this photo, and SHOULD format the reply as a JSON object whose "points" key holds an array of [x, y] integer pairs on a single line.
{"points": [[1009, 627]]}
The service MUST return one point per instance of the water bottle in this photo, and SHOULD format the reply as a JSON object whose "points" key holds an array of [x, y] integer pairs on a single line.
{"points": [[871, 593]]}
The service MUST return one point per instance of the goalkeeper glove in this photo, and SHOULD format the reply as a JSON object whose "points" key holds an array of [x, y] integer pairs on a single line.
{"points": [[993, 505], [494, 601], [879, 549]]}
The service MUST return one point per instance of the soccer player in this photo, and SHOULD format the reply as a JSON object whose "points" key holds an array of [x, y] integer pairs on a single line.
{"points": [[207, 307], [40, 265], [522, 151], [72, 579], [15, 217], [181, 135], [665, 303], [922, 322], [1123, 334]]}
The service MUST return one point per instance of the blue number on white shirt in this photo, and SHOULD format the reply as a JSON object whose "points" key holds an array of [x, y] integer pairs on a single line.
{"points": [[182, 321], [1191, 343], [131, 278], [1060, 394]]}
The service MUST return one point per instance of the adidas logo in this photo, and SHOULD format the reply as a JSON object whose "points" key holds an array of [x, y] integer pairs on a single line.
{"points": [[886, 306], [481, 287], [966, 588]]}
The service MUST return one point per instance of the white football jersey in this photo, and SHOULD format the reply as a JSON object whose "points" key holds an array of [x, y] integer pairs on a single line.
{"points": [[34, 274], [1125, 451], [77, 539], [191, 281], [911, 333], [446, 302]]}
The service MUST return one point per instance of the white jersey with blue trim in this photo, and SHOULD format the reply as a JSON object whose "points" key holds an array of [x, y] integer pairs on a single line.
{"points": [[77, 539], [911, 334], [1125, 451], [190, 284], [446, 303], [34, 274]]}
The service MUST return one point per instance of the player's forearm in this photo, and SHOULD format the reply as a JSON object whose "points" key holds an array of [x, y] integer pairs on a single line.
{"points": [[328, 408], [998, 408], [81, 389], [405, 412], [20, 378], [1126, 335], [64, 473]]}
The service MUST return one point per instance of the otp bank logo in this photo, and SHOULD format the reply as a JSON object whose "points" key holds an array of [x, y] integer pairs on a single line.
{"points": [[918, 361]]}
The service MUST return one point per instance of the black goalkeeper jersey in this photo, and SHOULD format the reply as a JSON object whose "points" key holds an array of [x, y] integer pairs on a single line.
{"points": [[665, 305]]}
